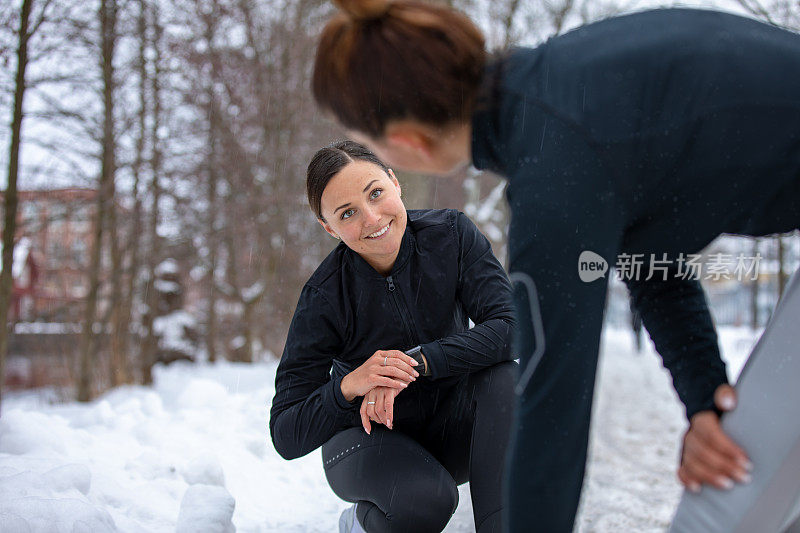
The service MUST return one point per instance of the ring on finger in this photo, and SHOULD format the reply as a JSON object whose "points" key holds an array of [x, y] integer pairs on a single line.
{"points": [[385, 359], [370, 403]]}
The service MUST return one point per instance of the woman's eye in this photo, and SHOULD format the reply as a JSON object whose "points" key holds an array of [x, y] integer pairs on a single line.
{"points": [[348, 213], [374, 194]]}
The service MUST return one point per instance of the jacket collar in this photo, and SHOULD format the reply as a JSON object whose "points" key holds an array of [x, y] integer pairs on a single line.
{"points": [[406, 247]]}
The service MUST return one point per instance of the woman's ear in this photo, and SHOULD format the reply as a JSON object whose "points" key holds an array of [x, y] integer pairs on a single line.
{"points": [[410, 136], [395, 182], [327, 228]]}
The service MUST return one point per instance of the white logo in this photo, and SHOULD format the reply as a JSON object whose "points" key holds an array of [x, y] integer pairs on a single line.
{"points": [[591, 266]]}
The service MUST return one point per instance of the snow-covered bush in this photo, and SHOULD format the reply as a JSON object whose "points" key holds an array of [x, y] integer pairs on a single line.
{"points": [[175, 329]]}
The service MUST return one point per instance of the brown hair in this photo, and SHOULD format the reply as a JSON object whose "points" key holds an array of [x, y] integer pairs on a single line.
{"points": [[328, 162], [381, 60]]}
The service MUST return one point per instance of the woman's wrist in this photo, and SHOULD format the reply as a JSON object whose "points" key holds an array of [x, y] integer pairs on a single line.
{"points": [[425, 370], [348, 394], [422, 366]]}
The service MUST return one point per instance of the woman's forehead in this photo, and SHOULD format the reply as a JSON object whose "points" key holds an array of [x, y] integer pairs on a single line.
{"points": [[353, 179]]}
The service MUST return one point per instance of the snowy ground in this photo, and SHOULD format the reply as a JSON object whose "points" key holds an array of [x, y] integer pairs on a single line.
{"points": [[195, 448]]}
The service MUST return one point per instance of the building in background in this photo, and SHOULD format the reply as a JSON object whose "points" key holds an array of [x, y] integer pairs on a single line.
{"points": [[54, 229]]}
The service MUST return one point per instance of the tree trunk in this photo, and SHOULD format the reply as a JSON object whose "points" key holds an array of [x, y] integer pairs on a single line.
{"points": [[138, 163], [249, 313], [10, 199], [246, 355], [150, 345], [211, 312], [212, 163], [783, 277], [754, 294], [120, 373], [88, 344]]}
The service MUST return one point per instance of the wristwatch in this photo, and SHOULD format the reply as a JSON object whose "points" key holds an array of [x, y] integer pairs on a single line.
{"points": [[416, 354]]}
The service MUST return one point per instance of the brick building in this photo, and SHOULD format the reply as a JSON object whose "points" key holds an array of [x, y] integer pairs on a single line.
{"points": [[55, 228]]}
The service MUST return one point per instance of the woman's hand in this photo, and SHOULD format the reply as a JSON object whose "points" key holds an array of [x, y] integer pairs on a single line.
{"points": [[386, 368], [709, 455], [378, 405]]}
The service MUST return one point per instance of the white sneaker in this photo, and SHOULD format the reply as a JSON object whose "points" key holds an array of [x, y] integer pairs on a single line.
{"points": [[348, 523]]}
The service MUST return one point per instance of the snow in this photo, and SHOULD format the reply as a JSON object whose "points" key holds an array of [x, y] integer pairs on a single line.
{"points": [[238, 342], [21, 251], [166, 286], [168, 266], [46, 328], [250, 294], [205, 469], [489, 206], [206, 508], [49, 497], [192, 453], [637, 426], [171, 330]]}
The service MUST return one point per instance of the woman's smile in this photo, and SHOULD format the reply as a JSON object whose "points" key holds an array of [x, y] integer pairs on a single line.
{"points": [[380, 233]]}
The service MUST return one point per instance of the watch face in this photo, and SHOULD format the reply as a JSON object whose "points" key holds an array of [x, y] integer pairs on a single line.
{"points": [[416, 353], [413, 351]]}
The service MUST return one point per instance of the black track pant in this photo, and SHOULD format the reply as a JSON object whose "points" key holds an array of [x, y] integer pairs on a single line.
{"points": [[405, 479]]}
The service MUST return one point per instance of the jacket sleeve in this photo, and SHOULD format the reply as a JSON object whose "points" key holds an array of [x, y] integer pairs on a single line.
{"points": [[308, 407], [485, 294], [677, 318]]}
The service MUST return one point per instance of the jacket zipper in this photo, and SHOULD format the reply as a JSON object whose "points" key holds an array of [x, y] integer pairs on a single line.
{"points": [[404, 318]]}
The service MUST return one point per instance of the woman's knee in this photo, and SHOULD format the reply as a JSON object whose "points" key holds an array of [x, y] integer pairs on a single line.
{"points": [[429, 512]]}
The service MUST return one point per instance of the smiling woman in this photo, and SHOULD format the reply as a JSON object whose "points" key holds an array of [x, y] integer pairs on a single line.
{"points": [[380, 368], [370, 217]]}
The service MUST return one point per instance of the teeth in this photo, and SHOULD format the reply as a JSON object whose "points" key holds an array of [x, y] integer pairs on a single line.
{"points": [[379, 232]]}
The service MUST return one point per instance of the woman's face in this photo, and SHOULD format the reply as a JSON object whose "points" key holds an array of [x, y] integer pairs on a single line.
{"points": [[362, 206]]}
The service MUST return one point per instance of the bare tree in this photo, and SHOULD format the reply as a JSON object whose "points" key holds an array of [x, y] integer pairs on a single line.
{"points": [[10, 198], [212, 176], [107, 14], [754, 289], [785, 13], [783, 276], [259, 126], [150, 344], [122, 329]]}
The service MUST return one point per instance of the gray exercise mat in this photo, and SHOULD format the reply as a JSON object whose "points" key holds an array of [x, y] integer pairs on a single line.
{"points": [[766, 424]]}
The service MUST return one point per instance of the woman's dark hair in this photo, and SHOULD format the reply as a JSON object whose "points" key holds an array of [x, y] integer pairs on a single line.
{"points": [[328, 162], [380, 60]]}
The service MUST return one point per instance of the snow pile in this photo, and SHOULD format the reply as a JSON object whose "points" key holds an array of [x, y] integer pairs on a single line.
{"points": [[50, 500], [175, 328], [171, 330], [193, 454], [38, 490], [206, 508], [204, 470]]}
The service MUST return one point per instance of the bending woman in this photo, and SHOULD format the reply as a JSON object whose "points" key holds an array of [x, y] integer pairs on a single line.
{"points": [[638, 138], [398, 432]]}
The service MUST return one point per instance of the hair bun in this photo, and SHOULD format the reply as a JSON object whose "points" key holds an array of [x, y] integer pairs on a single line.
{"points": [[363, 9]]}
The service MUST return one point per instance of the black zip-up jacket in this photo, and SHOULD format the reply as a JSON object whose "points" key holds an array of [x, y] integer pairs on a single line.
{"points": [[647, 134], [445, 274]]}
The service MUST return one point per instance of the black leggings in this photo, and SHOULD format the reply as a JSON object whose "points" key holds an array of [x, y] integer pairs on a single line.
{"points": [[405, 479]]}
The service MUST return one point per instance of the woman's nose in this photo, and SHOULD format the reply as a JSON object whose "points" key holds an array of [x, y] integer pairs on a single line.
{"points": [[371, 217]]}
